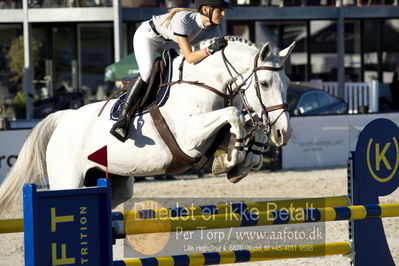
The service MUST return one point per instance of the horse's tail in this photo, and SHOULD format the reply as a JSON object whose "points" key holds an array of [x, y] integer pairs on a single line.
{"points": [[30, 167]]}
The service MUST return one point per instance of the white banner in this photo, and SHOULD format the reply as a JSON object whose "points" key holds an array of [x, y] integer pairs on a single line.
{"points": [[319, 141], [11, 142]]}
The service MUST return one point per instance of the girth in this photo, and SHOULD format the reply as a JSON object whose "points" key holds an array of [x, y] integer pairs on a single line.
{"points": [[180, 161]]}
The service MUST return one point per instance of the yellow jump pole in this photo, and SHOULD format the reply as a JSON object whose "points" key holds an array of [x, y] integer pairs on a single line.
{"points": [[11, 226], [292, 216], [227, 257], [321, 202]]}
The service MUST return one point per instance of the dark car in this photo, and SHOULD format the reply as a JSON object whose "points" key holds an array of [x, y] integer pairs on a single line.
{"points": [[305, 100], [61, 101]]}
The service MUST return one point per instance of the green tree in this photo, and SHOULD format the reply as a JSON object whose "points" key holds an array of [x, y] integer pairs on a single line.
{"points": [[15, 58]]}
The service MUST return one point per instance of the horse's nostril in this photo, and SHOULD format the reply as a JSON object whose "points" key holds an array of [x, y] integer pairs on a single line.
{"points": [[279, 135]]}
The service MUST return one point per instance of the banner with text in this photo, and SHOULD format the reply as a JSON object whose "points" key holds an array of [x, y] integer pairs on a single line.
{"points": [[319, 141]]}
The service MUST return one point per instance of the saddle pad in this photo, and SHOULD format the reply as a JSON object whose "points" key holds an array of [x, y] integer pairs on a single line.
{"points": [[162, 95]]}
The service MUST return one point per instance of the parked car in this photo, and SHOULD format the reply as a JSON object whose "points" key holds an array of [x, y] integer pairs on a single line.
{"points": [[306, 100]]}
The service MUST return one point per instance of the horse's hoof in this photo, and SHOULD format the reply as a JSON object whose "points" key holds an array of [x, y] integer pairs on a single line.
{"points": [[237, 173], [218, 165]]}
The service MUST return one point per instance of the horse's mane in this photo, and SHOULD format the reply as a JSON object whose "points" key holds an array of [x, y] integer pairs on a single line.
{"points": [[232, 39], [240, 40]]}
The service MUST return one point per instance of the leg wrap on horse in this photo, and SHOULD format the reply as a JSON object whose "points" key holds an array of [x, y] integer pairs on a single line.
{"points": [[120, 129], [254, 157], [235, 154]]}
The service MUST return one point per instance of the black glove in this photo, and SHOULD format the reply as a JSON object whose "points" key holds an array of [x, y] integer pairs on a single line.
{"points": [[217, 45]]}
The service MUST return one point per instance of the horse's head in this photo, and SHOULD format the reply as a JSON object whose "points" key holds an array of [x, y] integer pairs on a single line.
{"points": [[261, 75], [268, 94]]}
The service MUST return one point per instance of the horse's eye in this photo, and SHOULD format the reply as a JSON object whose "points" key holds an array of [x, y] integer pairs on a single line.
{"points": [[265, 84]]}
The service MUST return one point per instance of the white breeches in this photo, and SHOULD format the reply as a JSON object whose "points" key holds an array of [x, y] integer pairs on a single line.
{"points": [[146, 43]]}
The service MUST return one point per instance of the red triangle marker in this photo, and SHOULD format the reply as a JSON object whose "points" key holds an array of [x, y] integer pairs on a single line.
{"points": [[100, 157]]}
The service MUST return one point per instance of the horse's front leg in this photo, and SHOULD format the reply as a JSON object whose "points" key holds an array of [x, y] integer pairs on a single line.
{"points": [[204, 126], [253, 159]]}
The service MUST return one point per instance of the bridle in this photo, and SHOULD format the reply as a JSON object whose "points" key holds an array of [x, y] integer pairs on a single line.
{"points": [[232, 92], [239, 89]]}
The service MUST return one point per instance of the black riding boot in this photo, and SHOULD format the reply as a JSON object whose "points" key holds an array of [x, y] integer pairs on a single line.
{"points": [[121, 127]]}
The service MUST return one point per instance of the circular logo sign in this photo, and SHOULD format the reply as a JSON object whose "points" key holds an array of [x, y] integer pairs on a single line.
{"points": [[378, 151], [382, 159]]}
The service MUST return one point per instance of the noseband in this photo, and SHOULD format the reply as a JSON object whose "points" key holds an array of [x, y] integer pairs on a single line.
{"points": [[238, 89]]}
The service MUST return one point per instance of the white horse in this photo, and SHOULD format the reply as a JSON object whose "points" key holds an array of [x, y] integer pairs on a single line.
{"points": [[58, 147]]}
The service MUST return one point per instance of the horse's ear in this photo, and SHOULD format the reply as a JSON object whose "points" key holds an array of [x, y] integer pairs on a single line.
{"points": [[286, 52], [265, 52]]}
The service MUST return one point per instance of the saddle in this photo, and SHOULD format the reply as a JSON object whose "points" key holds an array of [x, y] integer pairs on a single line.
{"points": [[162, 72]]}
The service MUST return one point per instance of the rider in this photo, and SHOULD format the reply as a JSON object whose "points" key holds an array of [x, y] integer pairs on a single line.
{"points": [[180, 28]]}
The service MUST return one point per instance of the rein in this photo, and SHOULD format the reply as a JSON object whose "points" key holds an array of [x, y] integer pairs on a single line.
{"points": [[227, 98]]}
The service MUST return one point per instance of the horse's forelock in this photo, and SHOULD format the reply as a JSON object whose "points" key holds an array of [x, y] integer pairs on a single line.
{"points": [[275, 57]]}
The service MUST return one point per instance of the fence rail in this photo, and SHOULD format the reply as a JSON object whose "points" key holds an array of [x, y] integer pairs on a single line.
{"points": [[361, 97]]}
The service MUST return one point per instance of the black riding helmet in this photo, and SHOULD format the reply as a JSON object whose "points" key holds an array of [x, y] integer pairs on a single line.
{"points": [[212, 4]]}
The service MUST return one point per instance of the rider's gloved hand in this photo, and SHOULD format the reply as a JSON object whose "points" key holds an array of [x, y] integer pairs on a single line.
{"points": [[217, 45]]}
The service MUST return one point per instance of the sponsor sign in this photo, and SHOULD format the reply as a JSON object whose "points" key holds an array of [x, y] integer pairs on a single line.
{"points": [[11, 142], [375, 174], [68, 227]]}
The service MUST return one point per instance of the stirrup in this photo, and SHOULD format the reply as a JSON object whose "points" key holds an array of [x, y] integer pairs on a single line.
{"points": [[119, 132]]}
